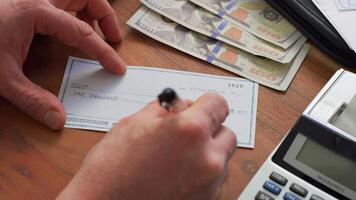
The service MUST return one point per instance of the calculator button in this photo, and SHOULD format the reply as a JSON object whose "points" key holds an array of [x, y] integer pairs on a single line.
{"points": [[290, 196], [263, 196], [316, 197], [278, 178], [272, 187], [299, 190]]}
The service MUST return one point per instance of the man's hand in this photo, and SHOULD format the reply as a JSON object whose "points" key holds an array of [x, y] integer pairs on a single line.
{"points": [[21, 19], [156, 155]]}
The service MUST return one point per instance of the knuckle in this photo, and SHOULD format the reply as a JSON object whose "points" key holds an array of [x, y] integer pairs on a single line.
{"points": [[40, 3], [111, 12], [196, 128], [84, 29], [80, 31], [217, 100], [221, 103], [30, 102], [218, 106], [27, 10], [215, 165], [31, 4], [232, 136]]}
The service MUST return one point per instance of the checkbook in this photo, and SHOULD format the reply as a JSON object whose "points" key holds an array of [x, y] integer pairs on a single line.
{"points": [[95, 99]]}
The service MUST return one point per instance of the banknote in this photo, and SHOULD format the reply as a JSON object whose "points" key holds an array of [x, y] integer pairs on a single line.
{"points": [[256, 16], [262, 70], [200, 20]]}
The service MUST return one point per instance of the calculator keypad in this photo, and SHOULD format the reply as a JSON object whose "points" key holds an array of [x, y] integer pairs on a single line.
{"points": [[316, 197], [298, 189], [263, 196], [278, 178], [275, 187], [272, 187], [290, 196]]}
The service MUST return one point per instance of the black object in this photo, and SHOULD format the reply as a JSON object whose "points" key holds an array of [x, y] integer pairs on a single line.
{"points": [[167, 97], [278, 178], [298, 189], [263, 196], [325, 137], [316, 197], [308, 19]]}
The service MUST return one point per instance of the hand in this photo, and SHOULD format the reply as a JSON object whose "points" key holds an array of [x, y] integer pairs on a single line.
{"points": [[157, 155], [21, 19]]}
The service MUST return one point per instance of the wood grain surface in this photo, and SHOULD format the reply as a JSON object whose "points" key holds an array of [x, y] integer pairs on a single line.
{"points": [[36, 163]]}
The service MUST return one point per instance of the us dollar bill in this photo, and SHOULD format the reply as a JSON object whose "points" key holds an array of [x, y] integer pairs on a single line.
{"points": [[200, 20], [257, 16], [262, 70]]}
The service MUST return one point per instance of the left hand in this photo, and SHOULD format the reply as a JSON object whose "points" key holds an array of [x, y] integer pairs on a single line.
{"points": [[94, 10], [21, 19]]}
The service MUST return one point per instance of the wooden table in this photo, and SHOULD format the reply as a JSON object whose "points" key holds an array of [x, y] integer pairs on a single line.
{"points": [[37, 163]]}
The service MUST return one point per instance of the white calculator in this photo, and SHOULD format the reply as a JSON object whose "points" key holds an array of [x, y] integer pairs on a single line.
{"points": [[317, 159]]}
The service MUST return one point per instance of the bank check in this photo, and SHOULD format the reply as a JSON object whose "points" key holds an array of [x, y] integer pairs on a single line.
{"points": [[96, 100]]}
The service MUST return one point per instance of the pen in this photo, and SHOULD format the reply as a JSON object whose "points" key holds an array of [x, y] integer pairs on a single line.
{"points": [[169, 100]]}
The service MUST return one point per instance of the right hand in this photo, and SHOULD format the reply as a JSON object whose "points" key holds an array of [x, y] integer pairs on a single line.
{"points": [[159, 155]]}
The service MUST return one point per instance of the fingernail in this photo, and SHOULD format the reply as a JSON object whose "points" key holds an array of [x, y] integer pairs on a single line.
{"points": [[123, 66], [53, 120]]}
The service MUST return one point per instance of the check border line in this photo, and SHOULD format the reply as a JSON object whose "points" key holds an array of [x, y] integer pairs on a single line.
{"points": [[72, 61]]}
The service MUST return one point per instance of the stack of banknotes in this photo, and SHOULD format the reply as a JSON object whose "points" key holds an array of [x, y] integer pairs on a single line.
{"points": [[246, 37]]}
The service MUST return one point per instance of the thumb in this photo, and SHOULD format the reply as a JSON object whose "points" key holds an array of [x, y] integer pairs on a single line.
{"points": [[36, 102], [153, 109]]}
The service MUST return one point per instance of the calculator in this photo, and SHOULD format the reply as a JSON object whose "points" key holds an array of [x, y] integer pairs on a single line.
{"points": [[313, 162], [317, 158]]}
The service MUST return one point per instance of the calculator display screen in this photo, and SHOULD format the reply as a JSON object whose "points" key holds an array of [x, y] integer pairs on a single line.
{"points": [[329, 163], [323, 164], [321, 157]]}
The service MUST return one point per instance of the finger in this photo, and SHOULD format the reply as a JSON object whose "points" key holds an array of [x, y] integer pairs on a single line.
{"points": [[97, 10], [188, 102], [210, 110], [76, 33], [36, 102], [226, 140], [102, 11], [153, 109]]}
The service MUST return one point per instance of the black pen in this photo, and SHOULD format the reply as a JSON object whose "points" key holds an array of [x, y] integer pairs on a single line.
{"points": [[169, 100]]}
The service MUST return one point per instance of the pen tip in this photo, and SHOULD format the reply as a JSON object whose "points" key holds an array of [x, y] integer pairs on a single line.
{"points": [[168, 95]]}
